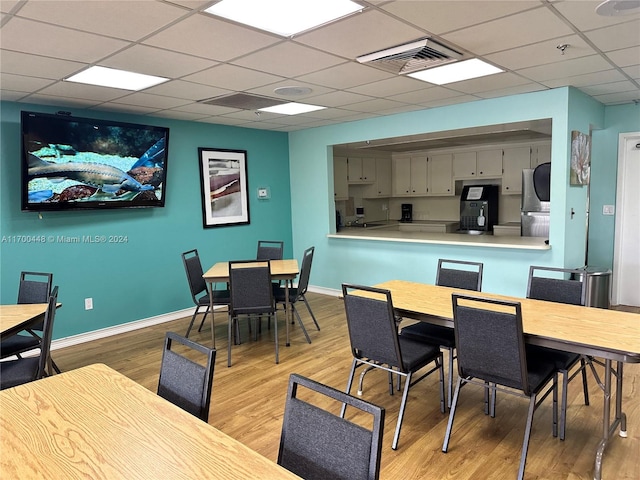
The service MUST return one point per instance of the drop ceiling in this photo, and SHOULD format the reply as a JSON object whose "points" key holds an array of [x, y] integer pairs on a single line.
{"points": [[205, 57]]}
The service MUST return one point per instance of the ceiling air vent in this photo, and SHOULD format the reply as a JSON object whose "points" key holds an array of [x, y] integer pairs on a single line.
{"points": [[243, 101], [412, 57]]}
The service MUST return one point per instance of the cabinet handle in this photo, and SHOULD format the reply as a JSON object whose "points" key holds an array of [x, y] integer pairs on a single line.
{"points": [[481, 173]]}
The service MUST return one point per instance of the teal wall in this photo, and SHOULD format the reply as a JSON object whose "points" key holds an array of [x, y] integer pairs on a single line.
{"points": [[339, 260], [143, 277], [604, 172]]}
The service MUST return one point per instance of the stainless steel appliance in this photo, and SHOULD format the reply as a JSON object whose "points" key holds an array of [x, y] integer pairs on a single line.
{"points": [[535, 205], [478, 208], [407, 212]]}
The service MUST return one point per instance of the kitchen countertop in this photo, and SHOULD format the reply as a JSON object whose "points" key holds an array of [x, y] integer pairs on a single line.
{"points": [[389, 232]]}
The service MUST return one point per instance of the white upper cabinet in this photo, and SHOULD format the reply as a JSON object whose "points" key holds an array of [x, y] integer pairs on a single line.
{"points": [[361, 170], [409, 176], [440, 175], [516, 159], [382, 185], [489, 163], [464, 165], [540, 153], [340, 185]]}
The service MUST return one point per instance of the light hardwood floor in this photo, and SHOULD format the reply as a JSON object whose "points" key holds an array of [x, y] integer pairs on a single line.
{"points": [[248, 400]]}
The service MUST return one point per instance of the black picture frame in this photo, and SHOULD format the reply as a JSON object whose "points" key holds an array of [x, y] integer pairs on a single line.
{"points": [[223, 183]]}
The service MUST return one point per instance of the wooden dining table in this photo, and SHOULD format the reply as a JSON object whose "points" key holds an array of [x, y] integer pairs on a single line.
{"points": [[286, 270], [17, 317], [96, 423], [607, 334]]}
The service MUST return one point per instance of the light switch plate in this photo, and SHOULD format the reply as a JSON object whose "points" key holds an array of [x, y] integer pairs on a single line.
{"points": [[608, 209]]}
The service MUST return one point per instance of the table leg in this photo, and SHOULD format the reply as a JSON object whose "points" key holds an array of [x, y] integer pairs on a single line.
{"points": [[213, 323], [620, 418], [286, 309]]}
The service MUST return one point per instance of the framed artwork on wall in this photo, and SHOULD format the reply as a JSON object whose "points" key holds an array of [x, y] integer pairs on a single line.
{"points": [[223, 182], [580, 158]]}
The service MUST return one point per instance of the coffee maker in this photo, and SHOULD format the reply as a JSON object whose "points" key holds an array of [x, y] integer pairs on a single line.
{"points": [[407, 213]]}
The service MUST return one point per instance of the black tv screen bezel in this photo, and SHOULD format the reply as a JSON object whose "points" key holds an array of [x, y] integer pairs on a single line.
{"points": [[27, 206]]}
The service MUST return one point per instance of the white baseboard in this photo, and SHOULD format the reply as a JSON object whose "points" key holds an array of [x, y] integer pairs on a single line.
{"points": [[147, 322]]}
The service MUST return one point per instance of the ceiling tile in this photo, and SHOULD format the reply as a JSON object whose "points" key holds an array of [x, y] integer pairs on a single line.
{"points": [[608, 88], [616, 37], [152, 101], [389, 86], [277, 60], [20, 83], [582, 14], [157, 61], [438, 17], [64, 102], [541, 53], [617, 98], [625, 57], [83, 91], [337, 98], [347, 75], [105, 18], [205, 36], [568, 68], [17, 35], [515, 31], [596, 78], [186, 90], [232, 77], [375, 31], [269, 90], [36, 66], [488, 83]]}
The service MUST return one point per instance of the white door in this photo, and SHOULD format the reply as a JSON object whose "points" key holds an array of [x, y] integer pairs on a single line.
{"points": [[626, 257]]}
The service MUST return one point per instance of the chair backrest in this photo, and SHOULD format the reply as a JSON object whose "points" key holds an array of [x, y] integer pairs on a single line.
{"points": [[193, 268], [270, 250], [185, 382], [47, 333], [316, 444], [305, 271], [490, 341], [372, 326], [554, 289], [469, 277], [35, 287], [251, 288]]}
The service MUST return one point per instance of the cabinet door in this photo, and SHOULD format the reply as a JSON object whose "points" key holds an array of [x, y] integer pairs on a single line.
{"points": [[540, 154], [464, 165], [419, 172], [340, 185], [489, 163], [354, 169], [440, 175], [383, 177], [401, 186], [368, 170], [515, 160]]}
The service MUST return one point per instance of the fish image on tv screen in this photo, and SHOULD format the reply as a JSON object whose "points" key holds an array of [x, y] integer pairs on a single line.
{"points": [[80, 163]]}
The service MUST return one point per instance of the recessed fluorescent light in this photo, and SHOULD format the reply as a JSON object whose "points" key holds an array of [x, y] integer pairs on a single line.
{"points": [[292, 108], [284, 17], [114, 78], [456, 72]]}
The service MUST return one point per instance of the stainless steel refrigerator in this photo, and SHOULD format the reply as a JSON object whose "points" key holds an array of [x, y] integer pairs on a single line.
{"points": [[535, 205]]}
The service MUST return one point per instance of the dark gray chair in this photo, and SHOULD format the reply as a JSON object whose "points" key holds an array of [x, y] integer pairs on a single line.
{"points": [[183, 381], [316, 444], [375, 343], [468, 277], [492, 354], [27, 369], [558, 285], [200, 292], [270, 250], [297, 293], [34, 287], [251, 296]]}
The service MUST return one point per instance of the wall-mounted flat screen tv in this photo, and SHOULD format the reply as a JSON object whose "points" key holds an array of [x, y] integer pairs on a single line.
{"points": [[82, 163]]}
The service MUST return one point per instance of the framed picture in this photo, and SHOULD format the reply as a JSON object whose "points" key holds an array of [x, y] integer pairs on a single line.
{"points": [[223, 181], [580, 159]]}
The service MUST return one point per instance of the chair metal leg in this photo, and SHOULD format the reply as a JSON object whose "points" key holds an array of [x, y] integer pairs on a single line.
{"points": [[403, 404], [440, 364], [275, 329], [304, 330], [563, 404], [193, 318], [354, 364], [310, 312], [452, 414], [585, 387], [450, 377], [527, 435], [229, 335]]}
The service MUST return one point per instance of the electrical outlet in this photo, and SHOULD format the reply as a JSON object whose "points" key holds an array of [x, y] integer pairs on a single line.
{"points": [[608, 209], [88, 303]]}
